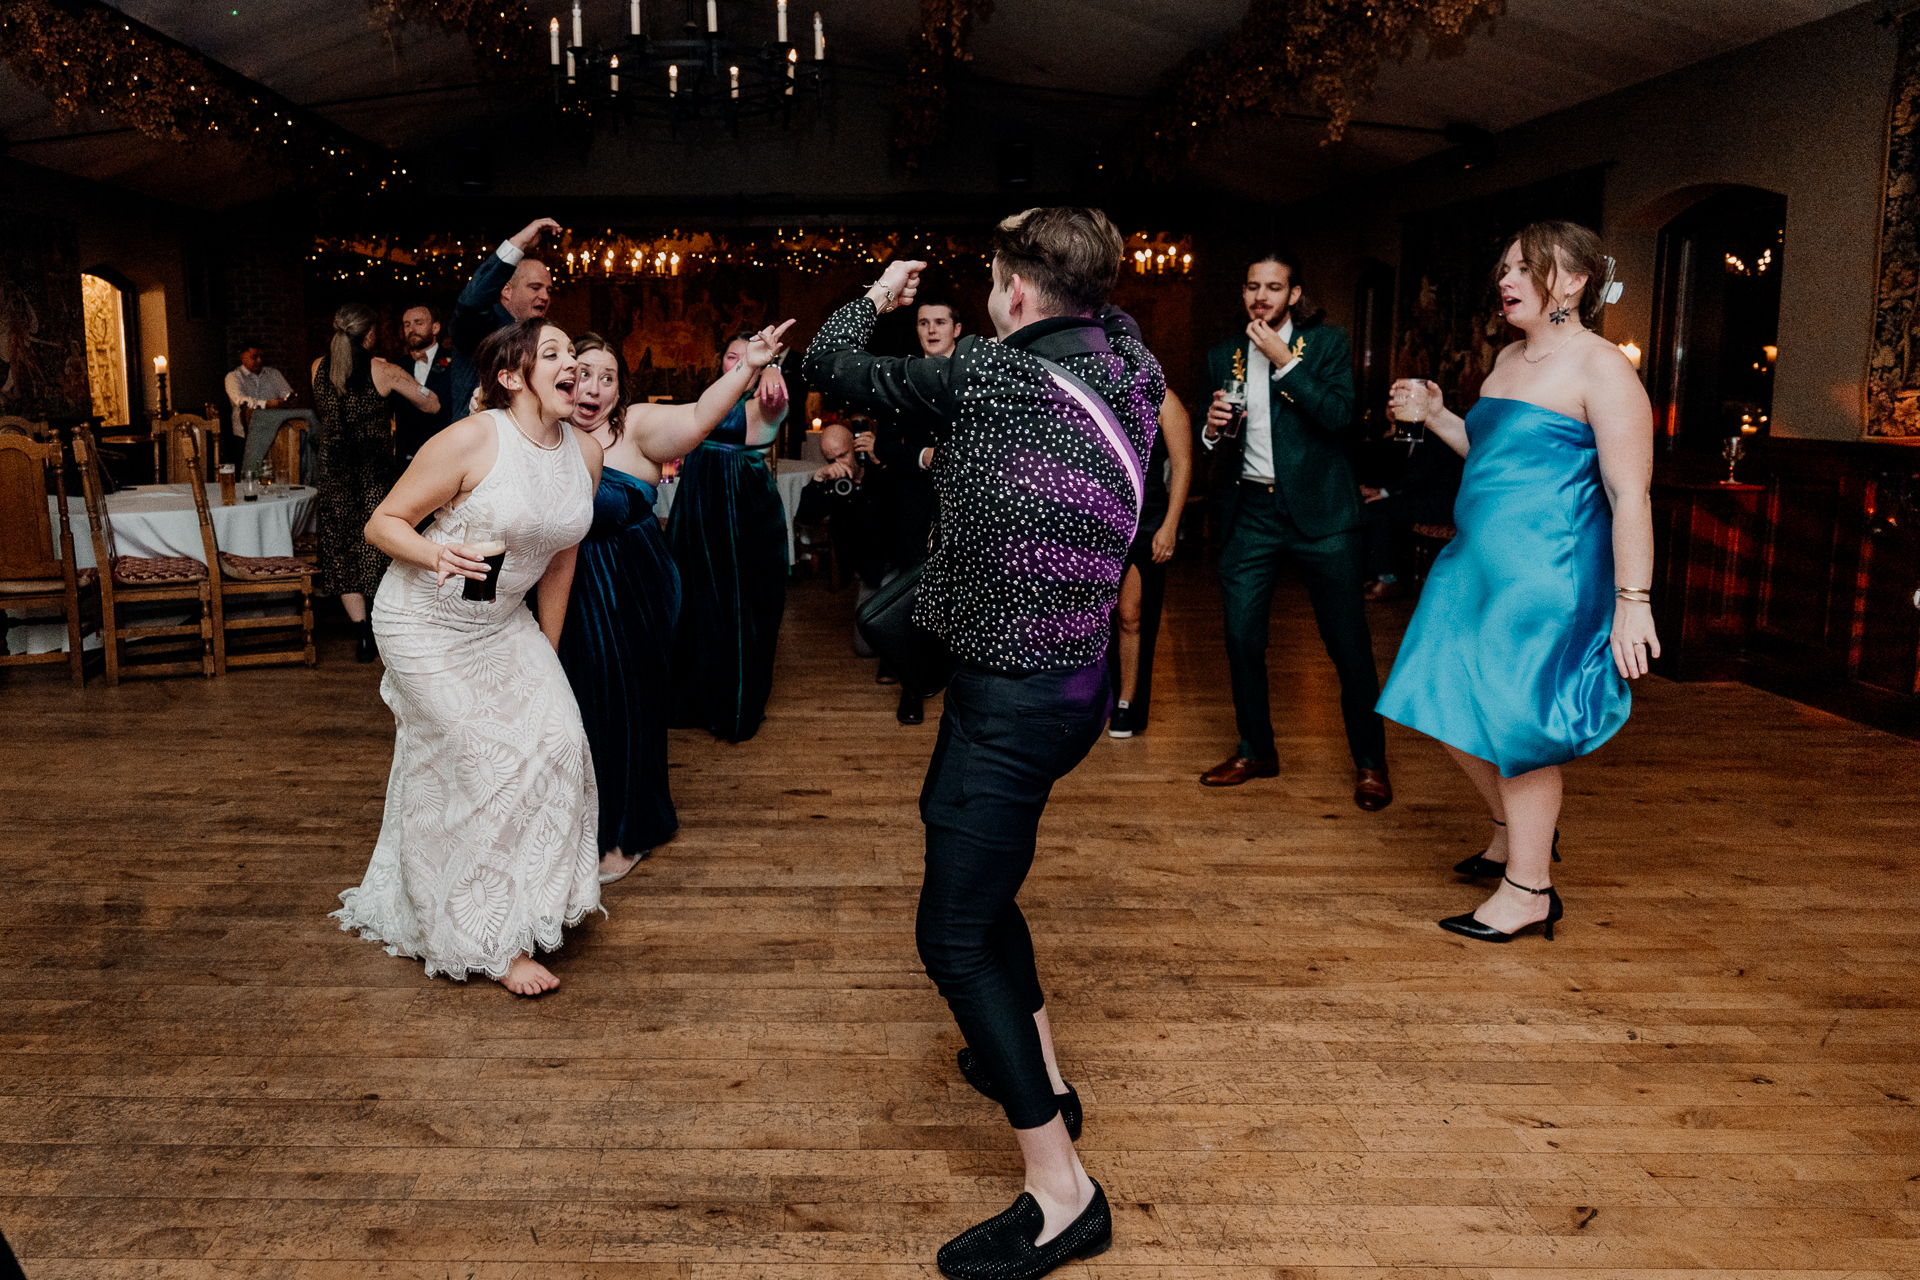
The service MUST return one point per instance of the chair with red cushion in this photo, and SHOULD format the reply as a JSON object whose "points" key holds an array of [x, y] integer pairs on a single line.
{"points": [[36, 572], [126, 580], [236, 578]]}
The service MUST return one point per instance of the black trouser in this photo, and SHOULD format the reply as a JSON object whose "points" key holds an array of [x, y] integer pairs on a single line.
{"points": [[1261, 538], [1004, 741]]}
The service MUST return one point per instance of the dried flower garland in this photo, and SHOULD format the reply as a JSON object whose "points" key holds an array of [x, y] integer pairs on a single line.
{"points": [[1293, 53], [502, 33], [920, 103], [85, 56]]}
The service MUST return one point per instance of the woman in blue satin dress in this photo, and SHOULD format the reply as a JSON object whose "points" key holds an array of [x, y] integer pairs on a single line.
{"points": [[728, 532], [617, 643], [1538, 612]]}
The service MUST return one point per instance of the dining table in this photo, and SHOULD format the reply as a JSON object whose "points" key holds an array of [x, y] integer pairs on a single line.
{"points": [[159, 520]]}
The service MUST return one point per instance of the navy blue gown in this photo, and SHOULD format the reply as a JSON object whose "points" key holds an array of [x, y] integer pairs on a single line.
{"points": [[617, 647], [1508, 655], [728, 533]]}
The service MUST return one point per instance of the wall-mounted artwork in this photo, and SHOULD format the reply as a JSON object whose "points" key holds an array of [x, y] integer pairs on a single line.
{"points": [[1450, 327], [1893, 360], [43, 350], [672, 330]]}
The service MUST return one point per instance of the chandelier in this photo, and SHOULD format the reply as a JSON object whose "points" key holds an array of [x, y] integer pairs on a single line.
{"points": [[698, 75]]}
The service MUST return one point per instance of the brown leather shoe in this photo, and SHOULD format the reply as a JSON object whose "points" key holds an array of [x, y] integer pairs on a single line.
{"points": [[1371, 790], [1239, 769], [1378, 590]]}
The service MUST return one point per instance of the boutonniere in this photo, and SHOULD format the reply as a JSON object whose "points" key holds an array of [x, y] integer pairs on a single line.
{"points": [[444, 362], [1240, 363], [1299, 346]]}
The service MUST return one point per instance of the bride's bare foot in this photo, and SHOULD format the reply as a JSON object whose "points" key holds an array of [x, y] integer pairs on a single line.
{"points": [[615, 864], [528, 977]]}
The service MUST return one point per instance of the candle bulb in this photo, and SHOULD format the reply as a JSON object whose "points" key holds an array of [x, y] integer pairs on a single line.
{"points": [[713, 16], [819, 38], [783, 21], [577, 40], [553, 40], [159, 364], [569, 66], [633, 17], [673, 81], [614, 84], [734, 73], [793, 58]]}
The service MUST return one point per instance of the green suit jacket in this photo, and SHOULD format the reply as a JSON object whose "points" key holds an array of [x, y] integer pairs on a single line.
{"points": [[1311, 412]]}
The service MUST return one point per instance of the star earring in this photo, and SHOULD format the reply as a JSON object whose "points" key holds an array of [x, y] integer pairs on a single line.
{"points": [[1562, 313]]}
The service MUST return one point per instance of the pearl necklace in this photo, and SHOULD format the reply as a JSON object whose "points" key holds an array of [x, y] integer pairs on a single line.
{"points": [[549, 448], [1528, 346]]}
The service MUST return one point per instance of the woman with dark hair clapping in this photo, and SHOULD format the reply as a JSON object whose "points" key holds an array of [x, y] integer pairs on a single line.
{"points": [[1538, 612]]}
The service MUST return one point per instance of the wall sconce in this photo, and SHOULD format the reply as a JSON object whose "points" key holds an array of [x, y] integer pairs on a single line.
{"points": [[1632, 353]]}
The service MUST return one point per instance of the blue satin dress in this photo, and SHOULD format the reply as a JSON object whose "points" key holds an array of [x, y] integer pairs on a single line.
{"points": [[1507, 656], [616, 647]]}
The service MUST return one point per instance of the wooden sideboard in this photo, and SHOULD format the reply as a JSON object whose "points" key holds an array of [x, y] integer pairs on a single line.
{"points": [[1800, 580]]}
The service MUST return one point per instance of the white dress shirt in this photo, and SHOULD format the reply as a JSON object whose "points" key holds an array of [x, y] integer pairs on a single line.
{"points": [[256, 389], [1256, 435], [423, 363]]}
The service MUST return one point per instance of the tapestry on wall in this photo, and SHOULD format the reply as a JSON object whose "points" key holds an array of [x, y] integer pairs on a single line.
{"points": [[672, 330], [1893, 365], [1451, 328], [43, 350]]}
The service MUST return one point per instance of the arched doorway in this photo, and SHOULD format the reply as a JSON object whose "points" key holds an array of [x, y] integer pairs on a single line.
{"points": [[105, 306], [1717, 318]]}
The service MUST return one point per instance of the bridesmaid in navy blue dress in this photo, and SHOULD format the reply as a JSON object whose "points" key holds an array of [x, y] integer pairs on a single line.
{"points": [[1538, 612], [617, 643]]}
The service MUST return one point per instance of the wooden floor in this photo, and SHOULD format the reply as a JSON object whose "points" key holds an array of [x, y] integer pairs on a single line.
{"points": [[1288, 1070]]}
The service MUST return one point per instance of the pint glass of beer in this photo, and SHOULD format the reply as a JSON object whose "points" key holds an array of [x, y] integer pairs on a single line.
{"points": [[1236, 393], [491, 547], [1409, 411]]}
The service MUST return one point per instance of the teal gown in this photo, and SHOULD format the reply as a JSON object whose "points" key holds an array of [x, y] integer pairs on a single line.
{"points": [[616, 648], [1507, 657]]}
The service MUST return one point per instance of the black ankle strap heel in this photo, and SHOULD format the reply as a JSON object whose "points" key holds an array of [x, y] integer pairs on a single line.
{"points": [[1468, 927]]}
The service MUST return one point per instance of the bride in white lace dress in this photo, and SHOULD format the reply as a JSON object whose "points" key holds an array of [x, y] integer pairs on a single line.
{"points": [[489, 844]]}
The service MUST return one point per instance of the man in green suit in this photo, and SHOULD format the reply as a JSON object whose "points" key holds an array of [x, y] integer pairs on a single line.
{"points": [[1290, 496]]}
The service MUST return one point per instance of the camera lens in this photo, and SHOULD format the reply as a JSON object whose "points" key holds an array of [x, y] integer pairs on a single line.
{"points": [[842, 487]]}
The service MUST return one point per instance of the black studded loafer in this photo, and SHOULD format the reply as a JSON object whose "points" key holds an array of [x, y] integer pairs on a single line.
{"points": [[1003, 1248], [983, 1085]]}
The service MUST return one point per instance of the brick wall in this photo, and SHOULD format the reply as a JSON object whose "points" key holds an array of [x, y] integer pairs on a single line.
{"points": [[263, 278]]}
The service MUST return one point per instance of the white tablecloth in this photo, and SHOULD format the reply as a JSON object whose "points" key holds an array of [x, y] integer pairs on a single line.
{"points": [[790, 478], [159, 520]]}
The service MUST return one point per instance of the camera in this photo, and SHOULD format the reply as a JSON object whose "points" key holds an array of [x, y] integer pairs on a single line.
{"points": [[842, 486]]}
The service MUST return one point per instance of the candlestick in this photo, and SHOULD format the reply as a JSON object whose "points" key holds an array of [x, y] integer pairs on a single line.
{"points": [[793, 59], [633, 18], [734, 72], [569, 66], [553, 40], [783, 21], [577, 40], [713, 17], [614, 84], [819, 38]]}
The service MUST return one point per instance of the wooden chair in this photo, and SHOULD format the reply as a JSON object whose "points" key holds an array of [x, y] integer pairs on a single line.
{"points": [[128, 580], [11, 425], [169, 446], [285, 454], [32, 575], [237, 578]]}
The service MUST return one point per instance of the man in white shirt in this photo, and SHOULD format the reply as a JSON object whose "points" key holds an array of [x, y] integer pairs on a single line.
{"points": [[255, 385], [1290, 498]]}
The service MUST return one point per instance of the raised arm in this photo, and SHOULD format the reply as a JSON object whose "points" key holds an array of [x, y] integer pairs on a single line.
{"points": [[1622, 421], [839, 364], [668, 431]]}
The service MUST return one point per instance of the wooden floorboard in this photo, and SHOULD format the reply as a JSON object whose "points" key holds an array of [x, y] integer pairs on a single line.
{"points": [[1288, 1070]]}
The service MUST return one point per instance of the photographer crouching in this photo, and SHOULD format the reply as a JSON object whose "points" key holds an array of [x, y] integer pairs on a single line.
{"points": [[856, 493], [1040, 475]]}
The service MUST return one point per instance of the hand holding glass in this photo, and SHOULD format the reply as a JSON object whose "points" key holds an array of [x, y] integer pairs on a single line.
{"points": [[488, 545], [1235, 391], [1407, 406]]}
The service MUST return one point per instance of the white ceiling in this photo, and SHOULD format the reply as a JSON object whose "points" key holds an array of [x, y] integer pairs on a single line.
{"points": [[1086, 60]]}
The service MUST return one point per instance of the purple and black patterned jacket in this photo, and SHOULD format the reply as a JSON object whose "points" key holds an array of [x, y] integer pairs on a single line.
{"points": [[1036, 509]]}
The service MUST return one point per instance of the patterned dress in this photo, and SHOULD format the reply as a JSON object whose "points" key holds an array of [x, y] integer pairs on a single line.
{"points": [[356, 470], [489, 844]]}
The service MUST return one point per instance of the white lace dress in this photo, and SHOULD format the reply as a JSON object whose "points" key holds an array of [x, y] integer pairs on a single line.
{"points": [[488, 847]]}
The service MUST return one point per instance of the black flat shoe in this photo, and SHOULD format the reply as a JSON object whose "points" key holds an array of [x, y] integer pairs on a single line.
{"points": [[1003, 1248], [983, 1085], [1478, 868], [1468, 927]]}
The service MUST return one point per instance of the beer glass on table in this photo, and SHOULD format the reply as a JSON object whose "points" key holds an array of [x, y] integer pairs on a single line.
{"points": [[1235, 390], [491, 547]]}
